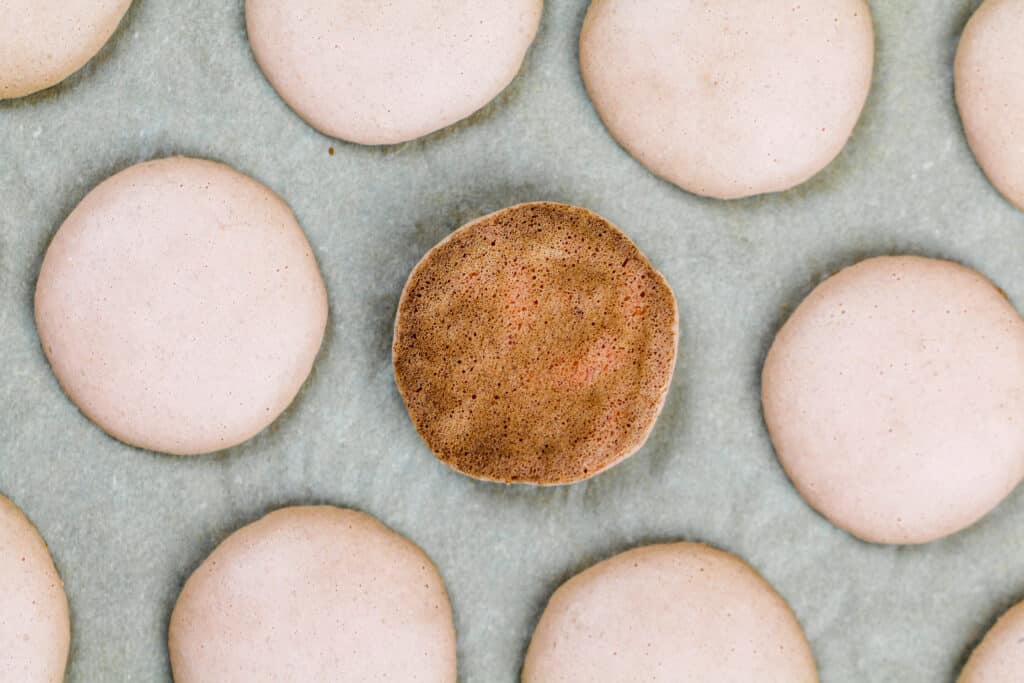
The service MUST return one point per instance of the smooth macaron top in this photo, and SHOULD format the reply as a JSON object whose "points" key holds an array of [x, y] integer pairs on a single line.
{"points": [[999, 658], [35, 630], [729, 98], [673, 612], [989, 76], [314, 594], [181, 306], [387, 72], [894, 395], [42, 42]]}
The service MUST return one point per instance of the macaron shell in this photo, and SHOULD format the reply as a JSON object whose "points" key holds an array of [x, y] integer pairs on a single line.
{"points": [[380, 73], [180, 306], [535, 345], [894, 396], [42, 42], [989, 77], [999, 658], [681, 612], [731, 98], [314, 594], [35, 630]]}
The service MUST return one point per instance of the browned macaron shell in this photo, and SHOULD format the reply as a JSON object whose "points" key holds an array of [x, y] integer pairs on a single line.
{"points": [[535, 345]]}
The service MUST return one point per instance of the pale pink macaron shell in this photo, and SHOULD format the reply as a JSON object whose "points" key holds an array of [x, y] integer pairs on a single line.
{"points": [[314, 594], [181, 306], [999, 658], [990, 93], [42, 42], [680, 612], [35, 630], [894, 396], [730, 98], [388, 72]]}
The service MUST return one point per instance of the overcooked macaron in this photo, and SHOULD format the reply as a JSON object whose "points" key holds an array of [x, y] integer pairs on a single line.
{"points": [[181, 306], [535, 345], [989, 76], [675, 612], [35, 624], [999, 658], [314, 594], [42, 42], [380, 73], [729, 98], [894, 396]]}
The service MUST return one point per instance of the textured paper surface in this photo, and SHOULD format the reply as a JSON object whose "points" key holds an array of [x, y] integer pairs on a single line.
{"points": [[127, 527]]}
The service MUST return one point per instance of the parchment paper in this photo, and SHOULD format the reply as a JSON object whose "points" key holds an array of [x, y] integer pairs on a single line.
{"points": [[127, 527]]}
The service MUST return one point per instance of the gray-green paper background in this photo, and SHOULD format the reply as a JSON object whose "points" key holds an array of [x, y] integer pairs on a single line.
{"points": [[127, 527]]}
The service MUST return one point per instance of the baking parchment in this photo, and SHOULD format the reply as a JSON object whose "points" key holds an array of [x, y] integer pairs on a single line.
{"points": [[127, 527]]}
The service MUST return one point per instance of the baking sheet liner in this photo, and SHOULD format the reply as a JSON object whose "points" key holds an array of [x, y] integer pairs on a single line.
{"points": [[126, 527]]}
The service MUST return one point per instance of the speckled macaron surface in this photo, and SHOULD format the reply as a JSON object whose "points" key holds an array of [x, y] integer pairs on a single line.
{"points": [[535, 345], [894, 396], [388, 72], [729, 98], [42, 42], [314, 594], [680, 613], [35, 631], [999, 658], [989, 78], [181, 306]]}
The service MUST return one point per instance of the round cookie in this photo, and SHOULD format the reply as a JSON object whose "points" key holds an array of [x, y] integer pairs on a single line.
{"points": [[894, 396], [677, 612], [999, 657], [386, 72], [35, 626], [990, 93], [181, 306], [314, 594], [535, 345], [42, 42], [729, 98]]}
